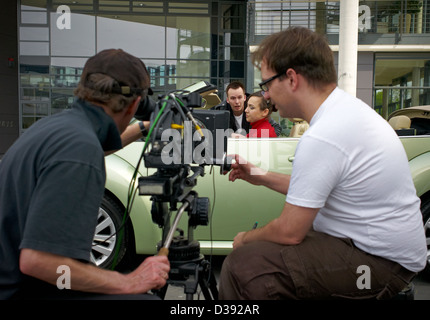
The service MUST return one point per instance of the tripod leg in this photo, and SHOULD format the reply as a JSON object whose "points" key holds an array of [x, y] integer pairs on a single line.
{"points": [[161, 292], [209, 288], [213, 286]]}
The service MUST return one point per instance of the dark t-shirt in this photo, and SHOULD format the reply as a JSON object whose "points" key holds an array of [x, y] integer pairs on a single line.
{"points": [[51, 186]]}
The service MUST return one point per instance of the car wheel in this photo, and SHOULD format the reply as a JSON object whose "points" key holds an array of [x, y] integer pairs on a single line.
{"points": [[425, 210], [106, 235]]}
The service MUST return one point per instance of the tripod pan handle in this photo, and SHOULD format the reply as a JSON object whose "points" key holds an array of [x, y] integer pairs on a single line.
{"points": [[163, 252]]}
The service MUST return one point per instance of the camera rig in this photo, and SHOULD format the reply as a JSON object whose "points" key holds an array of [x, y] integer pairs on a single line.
{"points": [[177, 129]]}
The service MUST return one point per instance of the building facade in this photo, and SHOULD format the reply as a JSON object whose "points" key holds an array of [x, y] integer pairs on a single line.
{"points": [[46, 43]]}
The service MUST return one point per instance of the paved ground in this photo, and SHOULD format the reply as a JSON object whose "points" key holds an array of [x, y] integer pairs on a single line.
{"points": [[422, 286]]}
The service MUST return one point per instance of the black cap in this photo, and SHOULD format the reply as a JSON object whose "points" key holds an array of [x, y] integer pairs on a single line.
{"points": [[129, 72]]}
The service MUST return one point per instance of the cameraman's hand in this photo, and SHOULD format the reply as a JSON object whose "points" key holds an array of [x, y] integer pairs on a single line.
{"points": [[242, 169], [151, 274]]}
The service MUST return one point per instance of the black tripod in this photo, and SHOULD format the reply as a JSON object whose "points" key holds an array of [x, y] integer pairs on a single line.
{"points": [[189, 268]]}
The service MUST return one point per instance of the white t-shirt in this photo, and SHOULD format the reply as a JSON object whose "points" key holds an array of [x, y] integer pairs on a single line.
{"points": [[351, 164], [239, 121]]}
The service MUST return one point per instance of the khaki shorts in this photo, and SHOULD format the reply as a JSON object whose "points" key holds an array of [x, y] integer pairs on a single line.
{"points": [[321, 267]]}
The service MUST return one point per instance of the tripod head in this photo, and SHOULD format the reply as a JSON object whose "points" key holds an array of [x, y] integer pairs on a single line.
{"points": [[170, 187]]}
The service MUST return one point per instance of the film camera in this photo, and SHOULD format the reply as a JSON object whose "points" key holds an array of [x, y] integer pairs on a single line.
{"points": [[182, 140]]}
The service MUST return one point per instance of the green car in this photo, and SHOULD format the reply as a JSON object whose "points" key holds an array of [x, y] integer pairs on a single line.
{"points": [[234, 207]]}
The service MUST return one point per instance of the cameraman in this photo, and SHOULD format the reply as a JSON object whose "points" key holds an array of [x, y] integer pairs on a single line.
{"points": [[51, 186], [351, 204]]}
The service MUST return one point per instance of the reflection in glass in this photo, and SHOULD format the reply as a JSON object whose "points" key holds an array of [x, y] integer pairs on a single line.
{"points": [[190, 68], [188, 37], [34, 34], [31, 48], [400, 82], [140, 36], [33, 17], [65, 81], [174, 39], [38, 94], [61, 99], [35, 109], [36, 5], [59, 63], [34, 80], [79, 40]]}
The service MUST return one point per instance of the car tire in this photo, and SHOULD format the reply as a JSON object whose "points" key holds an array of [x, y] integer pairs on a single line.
{"points": [[107, 233], [425, 210]]}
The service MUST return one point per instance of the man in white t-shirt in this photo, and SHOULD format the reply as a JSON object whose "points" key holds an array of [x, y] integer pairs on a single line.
{"points": [[351, 224]]}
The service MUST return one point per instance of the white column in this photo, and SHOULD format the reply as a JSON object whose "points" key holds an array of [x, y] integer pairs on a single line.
{"points": [[348, 43]]}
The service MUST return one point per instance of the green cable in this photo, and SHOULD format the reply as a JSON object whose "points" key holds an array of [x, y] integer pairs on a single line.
{"points": [[130, 189]]}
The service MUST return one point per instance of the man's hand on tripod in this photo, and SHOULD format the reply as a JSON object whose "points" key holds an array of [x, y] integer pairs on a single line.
{"points": [[151, 274]]}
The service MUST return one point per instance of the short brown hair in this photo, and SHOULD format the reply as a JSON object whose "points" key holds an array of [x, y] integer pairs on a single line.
{"points": [[235, 85], [301, 49]]}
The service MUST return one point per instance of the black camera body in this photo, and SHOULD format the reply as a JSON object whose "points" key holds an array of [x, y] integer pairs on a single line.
{"points": [[186, 135], [182, 140]]}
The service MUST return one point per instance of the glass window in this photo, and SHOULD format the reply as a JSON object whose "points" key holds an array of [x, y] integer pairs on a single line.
{"points": [[74, 66], [34, 17], [188, 68], [35, 94], [401, 82], [61, 99], [232, 53], [34, 33], [33, 5], [141, 36], [30, 48], [188, 37], [386, 16], [34, 80], [176, 40], [273, 16], [65, 81], [34, 109], [79, 40]]}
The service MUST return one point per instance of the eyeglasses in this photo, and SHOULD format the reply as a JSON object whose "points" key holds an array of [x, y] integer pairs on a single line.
{"points": [[264, 85]]}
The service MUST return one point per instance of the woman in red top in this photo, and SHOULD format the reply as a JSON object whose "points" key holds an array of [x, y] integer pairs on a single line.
{"points": [[257, 113]]}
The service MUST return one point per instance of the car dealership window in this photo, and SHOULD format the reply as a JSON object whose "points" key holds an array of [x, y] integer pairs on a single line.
{"points": [[401, 81], [180, 42]]}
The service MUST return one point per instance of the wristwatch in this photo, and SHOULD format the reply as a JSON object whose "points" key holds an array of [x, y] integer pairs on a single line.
{"points": [[143, 129]]}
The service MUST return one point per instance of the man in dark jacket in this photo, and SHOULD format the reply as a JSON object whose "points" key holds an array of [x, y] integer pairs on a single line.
{"points": [[235, 103]]}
